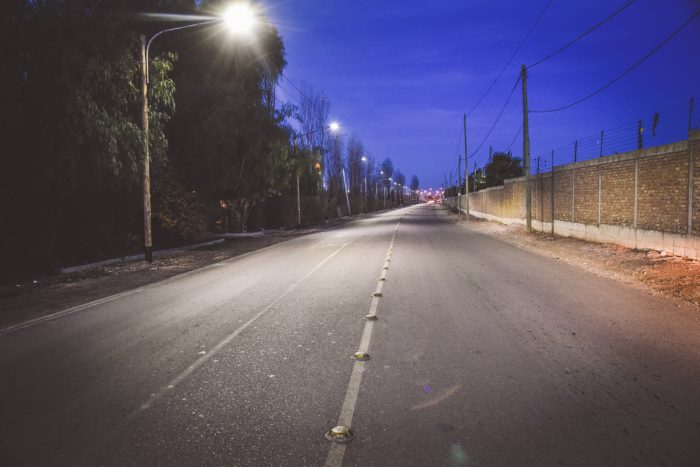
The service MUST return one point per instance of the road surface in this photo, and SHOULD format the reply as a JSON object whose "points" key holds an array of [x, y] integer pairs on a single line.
{"points": [[483, 354]]}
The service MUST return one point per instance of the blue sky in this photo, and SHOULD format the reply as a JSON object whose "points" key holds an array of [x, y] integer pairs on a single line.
{"points": [[400, 75]]}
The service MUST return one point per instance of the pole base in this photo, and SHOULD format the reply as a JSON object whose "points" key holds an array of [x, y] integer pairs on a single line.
{"points": [[148, 254]]}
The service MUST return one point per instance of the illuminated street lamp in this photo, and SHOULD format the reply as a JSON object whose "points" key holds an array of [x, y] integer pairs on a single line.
{"points": [[334, 127], [240, 19]]}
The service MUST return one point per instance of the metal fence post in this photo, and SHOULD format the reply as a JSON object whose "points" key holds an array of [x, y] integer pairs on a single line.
{"points": [[640, 140], [551, 182]]}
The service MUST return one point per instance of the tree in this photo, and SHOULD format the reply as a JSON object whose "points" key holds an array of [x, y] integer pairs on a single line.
{"points": [[501, 167], [229, 140], [388, 171], [355, 164], [414, 183], [477, 179], [71, 122]]}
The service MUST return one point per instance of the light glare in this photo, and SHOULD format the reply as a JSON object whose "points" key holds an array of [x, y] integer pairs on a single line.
{"points": [[240, 19]]}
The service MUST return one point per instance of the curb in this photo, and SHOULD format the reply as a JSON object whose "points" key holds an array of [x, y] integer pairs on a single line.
{"points": [[126, 259]]}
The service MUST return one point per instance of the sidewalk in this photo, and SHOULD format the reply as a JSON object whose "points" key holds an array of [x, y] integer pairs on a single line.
{"points": [[669, 276]]}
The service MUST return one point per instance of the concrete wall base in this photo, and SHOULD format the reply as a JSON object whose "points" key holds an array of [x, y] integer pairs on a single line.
{"points": [[671, 243]]}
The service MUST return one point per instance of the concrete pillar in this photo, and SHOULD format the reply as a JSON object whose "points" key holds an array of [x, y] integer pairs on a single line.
{"points": [[636, 196], [600, 190], [636, 188], [693, 158], [573, 195]]}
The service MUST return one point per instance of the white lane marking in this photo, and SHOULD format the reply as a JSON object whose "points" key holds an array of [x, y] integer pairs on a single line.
{"points": [[337, 451], [200, 361], [94, 303], [100, 301]]}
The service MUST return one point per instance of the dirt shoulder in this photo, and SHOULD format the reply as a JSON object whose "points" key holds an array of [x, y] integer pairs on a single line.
{"points": [[662, 275], [25, 301]]}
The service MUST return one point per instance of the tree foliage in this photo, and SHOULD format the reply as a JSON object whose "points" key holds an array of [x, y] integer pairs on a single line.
{"points": [[222, 148], [71, 126], [501, 167]]}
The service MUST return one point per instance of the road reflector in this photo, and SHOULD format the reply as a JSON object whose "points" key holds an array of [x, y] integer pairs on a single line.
{"points": [[362, 356], [371, 317], [382, 279], [340, 434], [377, 294]]}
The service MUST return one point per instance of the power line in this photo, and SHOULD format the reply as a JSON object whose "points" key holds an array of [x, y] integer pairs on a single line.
{"points": [[515, 86], [459, 140], [289, 94], [627, 71], [532, 28], [294, 85], [584, 34], [514, 138]]}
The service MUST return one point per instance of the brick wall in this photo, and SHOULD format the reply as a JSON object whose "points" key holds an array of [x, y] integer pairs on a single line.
{"points": [[563, 199], [617, 193], [647, 190], [694, 154], [586, 189], [663, 193]]}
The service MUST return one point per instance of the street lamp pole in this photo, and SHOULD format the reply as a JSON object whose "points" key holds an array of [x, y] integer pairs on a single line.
{"points": [[240, 19], [145, 48], [147, 234]]}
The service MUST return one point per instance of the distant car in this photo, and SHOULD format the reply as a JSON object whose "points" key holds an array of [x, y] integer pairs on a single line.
{"points": [[431, 201]]}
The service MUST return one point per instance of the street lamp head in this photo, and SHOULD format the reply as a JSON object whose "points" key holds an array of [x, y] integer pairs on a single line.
{"points": [[240, 19], [334, 126], [364, 159]]}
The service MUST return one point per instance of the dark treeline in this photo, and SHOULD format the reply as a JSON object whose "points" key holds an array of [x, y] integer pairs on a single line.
{"points": [[71, 129], [501, 166], [224, 156]]}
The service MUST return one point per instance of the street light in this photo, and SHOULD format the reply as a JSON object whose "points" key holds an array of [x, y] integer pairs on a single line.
{"points": [[334, 127], [240, 19]]}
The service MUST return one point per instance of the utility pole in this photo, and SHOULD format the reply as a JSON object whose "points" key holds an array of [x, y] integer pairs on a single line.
{"points": [[459, 186], [551, 191], [365, 193], [466, 166], [526, 151], [147, 234], [296, 166], [347, 199]]}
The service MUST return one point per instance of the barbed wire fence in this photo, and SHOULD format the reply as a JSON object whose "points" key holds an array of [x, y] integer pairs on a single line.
{"points": [[663, 127]]}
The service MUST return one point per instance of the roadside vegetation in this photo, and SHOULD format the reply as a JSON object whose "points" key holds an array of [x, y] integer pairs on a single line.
{"points": [[226, 154]]}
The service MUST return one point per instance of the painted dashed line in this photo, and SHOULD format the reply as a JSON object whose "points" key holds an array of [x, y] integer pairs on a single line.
{"points": [[100, 301], [208, 355], [337, 449]]}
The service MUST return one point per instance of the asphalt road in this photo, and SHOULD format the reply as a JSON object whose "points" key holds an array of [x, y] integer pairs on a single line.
{"points": [[483, 354]]}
